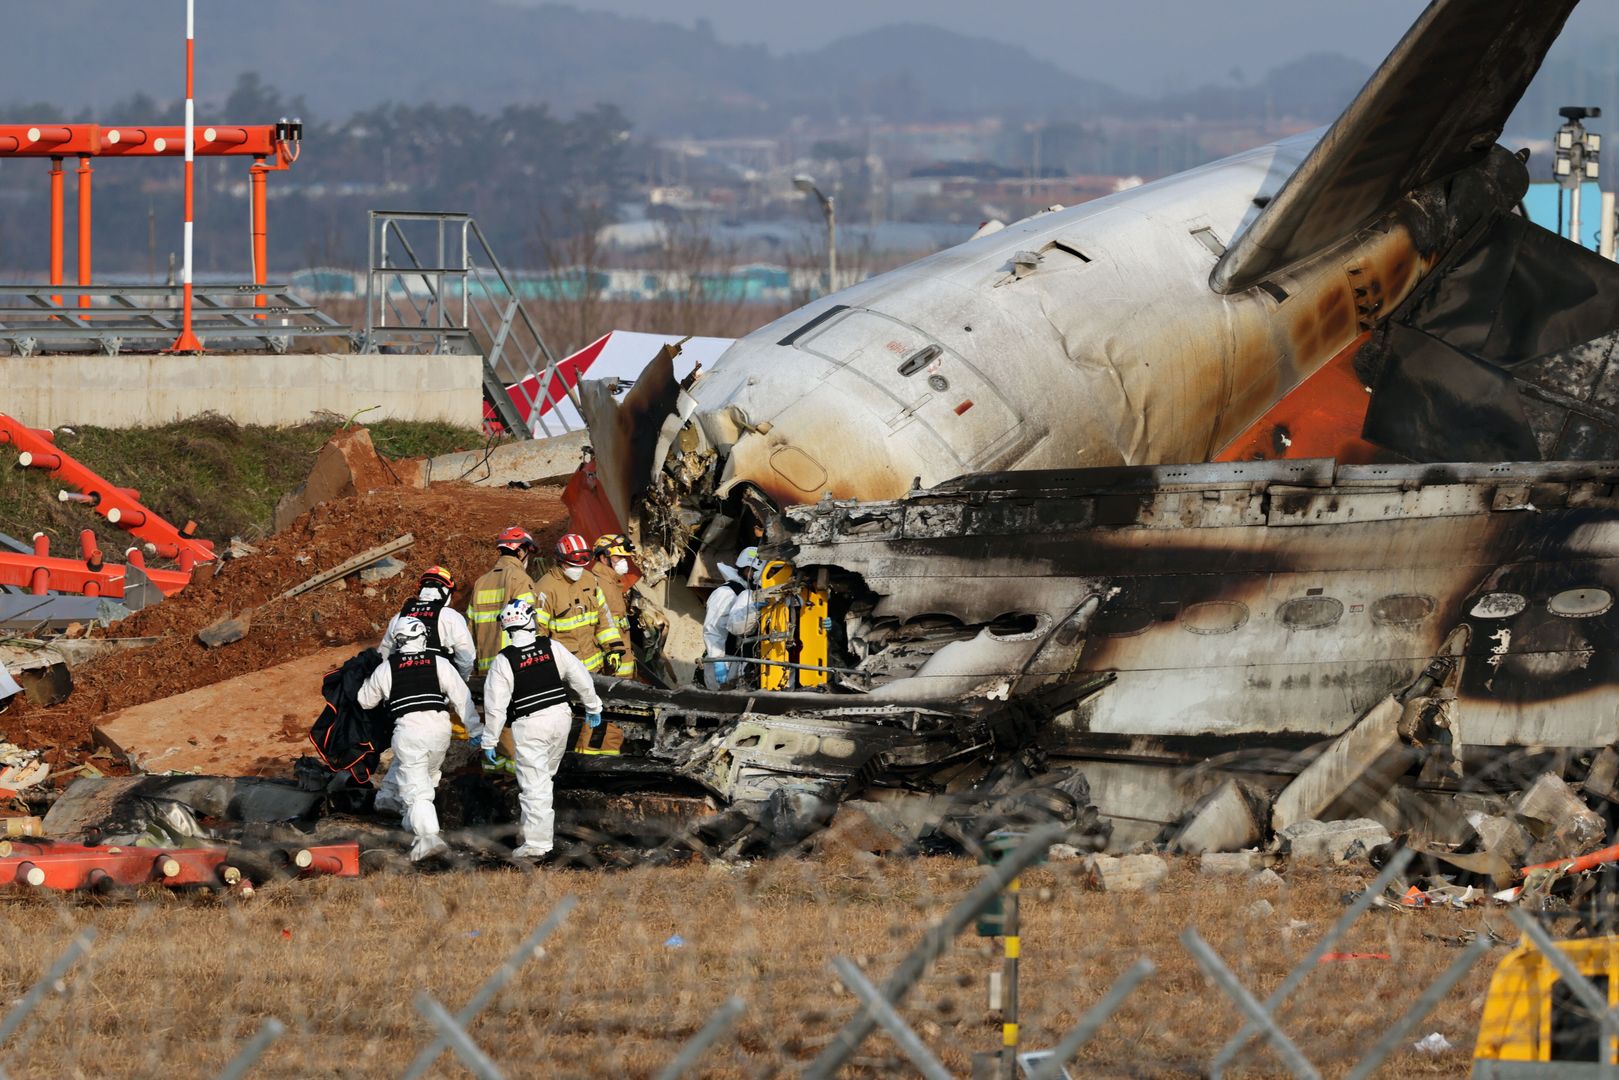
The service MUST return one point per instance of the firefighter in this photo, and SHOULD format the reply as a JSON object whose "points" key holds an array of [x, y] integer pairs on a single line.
{"points": [[571, 608], [612, 562], [508, 580], [420, 688], [528, 689], [448, 634], [730, 612]]}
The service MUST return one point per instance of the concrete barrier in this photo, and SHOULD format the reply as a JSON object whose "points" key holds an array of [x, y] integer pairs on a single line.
{"points": [[530, 461], [144, 391]]}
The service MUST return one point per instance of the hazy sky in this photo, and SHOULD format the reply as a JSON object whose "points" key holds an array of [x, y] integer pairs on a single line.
{"points": [[1141, 45]]}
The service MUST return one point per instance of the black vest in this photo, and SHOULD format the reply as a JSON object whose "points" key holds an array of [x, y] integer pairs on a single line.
{"points": [[416, 687], [536, 682], [427, 611]]}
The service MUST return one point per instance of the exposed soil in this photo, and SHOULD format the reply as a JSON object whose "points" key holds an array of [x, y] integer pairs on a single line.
{"points": [[454, 525]]}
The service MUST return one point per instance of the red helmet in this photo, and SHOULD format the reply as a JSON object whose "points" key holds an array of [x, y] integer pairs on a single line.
{"points": [[438, 575], [515, 540], [574, 550]]}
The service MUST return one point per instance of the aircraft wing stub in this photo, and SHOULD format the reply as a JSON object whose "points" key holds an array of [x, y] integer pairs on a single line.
{"points": [[1435, 106]]}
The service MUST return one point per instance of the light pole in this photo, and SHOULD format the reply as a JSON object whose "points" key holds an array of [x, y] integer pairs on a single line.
{"points": [[829, 209], [1577, 160]]}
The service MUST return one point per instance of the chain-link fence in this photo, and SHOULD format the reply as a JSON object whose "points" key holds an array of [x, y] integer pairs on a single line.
{"points": [[832, 962]]}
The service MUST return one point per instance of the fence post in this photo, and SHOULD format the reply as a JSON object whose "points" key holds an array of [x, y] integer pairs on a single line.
{"points": [[934, 943]]}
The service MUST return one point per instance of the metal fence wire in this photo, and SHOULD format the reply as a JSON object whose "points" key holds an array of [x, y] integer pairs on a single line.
{"points": [[831, 962]]}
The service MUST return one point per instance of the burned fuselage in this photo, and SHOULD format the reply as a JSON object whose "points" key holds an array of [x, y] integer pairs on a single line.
{"points": [[1155, 616], [896, 445]]}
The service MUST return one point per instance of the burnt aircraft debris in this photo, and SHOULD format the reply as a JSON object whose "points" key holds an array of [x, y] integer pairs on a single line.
{"points": [[998, 471]]}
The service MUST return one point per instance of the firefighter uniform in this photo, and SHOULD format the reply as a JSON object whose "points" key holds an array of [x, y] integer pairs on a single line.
{"points": [[575, 613], [507, 581], [618, 607]]}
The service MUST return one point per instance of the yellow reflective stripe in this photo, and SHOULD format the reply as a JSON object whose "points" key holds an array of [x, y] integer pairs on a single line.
{"points": [[484, 665], [482, 616], [592, 663], [575, 622], [489, 596], [598, 752], [607, 635], [525, 596]]}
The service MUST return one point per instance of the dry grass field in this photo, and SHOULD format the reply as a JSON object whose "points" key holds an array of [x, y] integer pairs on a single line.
{"points": [[176, 983]]}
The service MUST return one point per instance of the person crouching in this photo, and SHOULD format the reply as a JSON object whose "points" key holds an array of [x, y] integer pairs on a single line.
{"points": [[420, 688], [528, 685]]}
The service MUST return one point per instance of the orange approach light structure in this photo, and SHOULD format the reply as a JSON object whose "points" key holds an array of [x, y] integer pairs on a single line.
{"points": [[273, 148], [92, 575]]}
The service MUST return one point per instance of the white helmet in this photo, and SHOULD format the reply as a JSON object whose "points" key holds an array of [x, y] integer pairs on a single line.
{"points": [[748, 559], [517, 615], [410, 635]]}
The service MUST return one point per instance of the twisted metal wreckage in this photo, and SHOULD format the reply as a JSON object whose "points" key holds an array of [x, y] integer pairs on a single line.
{"points": [[973, 470]]}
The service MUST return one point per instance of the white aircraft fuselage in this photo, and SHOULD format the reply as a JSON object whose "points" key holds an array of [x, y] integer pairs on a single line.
{"points": [[1077, 337]]}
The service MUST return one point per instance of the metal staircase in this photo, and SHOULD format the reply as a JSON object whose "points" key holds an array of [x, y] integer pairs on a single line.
{"points": [[458, 300]]}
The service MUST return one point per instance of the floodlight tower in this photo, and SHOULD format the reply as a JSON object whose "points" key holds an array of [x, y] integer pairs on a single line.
{"points": [[1578, 158]]}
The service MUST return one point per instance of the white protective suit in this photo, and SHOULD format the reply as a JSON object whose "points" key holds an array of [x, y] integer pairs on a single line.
{"points": [[419, 742], [453, 633], [729, 611], [540, 738]]}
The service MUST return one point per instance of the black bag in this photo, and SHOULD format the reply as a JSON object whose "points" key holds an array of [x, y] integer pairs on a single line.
{"points": [[348, 738]]}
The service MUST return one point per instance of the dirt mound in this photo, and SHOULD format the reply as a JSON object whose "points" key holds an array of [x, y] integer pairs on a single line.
{"points": [[454, 525]]}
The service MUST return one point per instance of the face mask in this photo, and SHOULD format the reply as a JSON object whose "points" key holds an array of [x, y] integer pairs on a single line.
{"points": [[621, 566], [573, 573]]}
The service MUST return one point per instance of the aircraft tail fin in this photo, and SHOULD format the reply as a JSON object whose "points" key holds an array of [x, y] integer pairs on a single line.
{"points": [[1435, 106]]}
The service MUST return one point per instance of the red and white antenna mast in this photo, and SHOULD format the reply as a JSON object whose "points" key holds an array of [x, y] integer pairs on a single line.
{"points": [[187, 342]]}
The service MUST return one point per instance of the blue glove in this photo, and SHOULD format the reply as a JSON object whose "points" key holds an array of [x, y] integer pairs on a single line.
{"points": [[491, 758], [826, 624], [594, 719], [721, 671]]}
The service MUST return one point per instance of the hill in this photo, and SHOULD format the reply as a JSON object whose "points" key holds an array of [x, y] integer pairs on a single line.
{"points": [[668, 77]]}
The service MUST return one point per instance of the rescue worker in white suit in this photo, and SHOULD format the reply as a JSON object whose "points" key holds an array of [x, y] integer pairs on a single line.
{"points": [[731, 612], [447, 631], [447, 634], [528, 686], [420, 688]]}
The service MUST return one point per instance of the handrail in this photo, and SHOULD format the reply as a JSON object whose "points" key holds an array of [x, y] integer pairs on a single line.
{"points": [[516, 355]]}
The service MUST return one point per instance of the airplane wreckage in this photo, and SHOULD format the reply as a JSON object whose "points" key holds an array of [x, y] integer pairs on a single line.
{"points": [[1309, 449]]}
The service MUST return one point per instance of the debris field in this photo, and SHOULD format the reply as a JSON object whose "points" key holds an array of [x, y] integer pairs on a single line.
{"points": [[452, 524]]}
